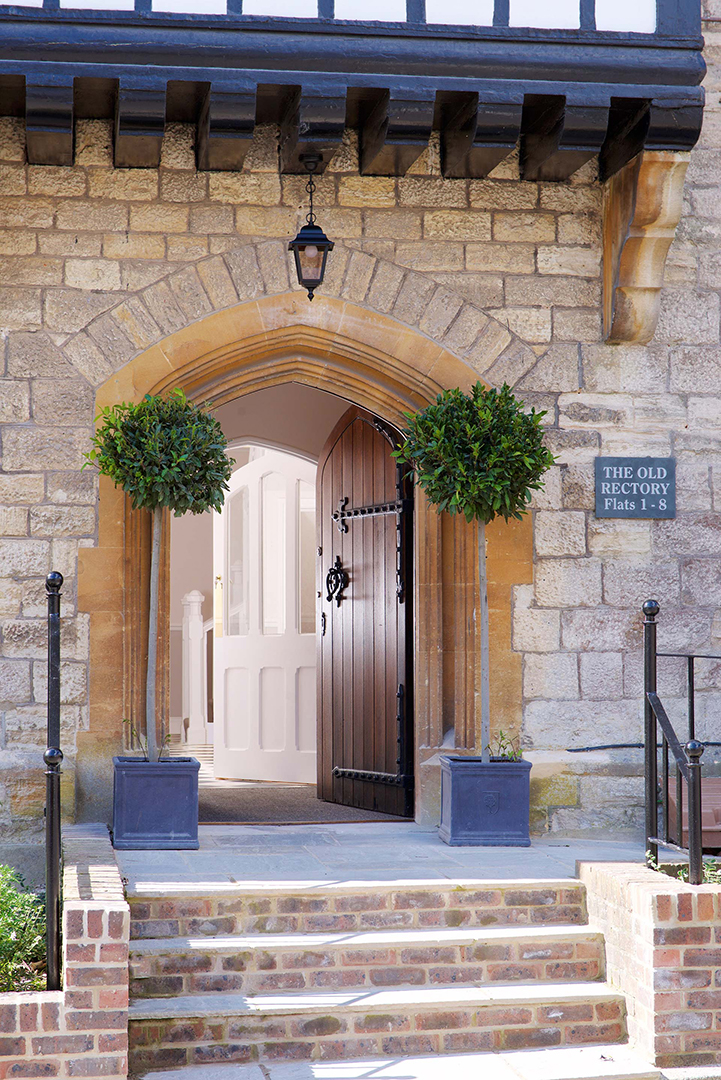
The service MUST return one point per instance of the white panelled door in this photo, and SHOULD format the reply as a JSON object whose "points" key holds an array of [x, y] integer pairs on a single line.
{"points": [[264, 648]]}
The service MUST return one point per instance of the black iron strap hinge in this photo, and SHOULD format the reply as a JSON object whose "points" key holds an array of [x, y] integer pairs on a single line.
{"points": [[400, 778], [346, 513]]}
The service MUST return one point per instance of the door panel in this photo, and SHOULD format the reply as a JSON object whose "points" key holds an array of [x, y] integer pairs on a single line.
{"points": [[365, 675], [265, 642]]}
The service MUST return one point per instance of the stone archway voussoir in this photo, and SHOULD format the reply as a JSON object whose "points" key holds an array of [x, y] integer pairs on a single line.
{"points": [[240, 281]]}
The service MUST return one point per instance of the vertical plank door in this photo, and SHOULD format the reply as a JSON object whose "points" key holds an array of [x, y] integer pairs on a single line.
{"points": [[365, 706]]}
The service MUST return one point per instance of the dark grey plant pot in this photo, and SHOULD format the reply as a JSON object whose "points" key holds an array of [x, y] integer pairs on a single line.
{"points": [[155, 803], [485, 804]]}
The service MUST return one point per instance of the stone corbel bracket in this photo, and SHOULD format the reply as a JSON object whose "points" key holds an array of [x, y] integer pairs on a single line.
{"points": [[642, 207]]}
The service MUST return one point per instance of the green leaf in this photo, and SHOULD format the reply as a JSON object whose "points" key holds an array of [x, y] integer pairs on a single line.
{"points": [[163, 451], [480, 454]]}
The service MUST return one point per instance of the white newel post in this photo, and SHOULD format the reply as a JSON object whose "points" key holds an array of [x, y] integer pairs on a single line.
{"points": [[193, 664]]}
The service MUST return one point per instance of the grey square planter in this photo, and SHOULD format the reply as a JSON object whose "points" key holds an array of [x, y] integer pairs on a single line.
{"points": [[485, 804], [155, 803]]}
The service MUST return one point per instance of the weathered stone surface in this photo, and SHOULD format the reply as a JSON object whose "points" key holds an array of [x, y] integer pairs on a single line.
{"points": [[24, 448], [68, 402], [701, 582], [553, 676], [572, 447], [14, 401], [595, 411], [601, 675], [73, 682], [568, 583], [86, 357], [556, 725], [551, 289], [13, 521], [19, 558], [14, 682], [578, 487], [20, 309], [534, 629], [628, 582], [618, 537], [691, 534], [573, 261], [556, 370], [62, 521], [71, 487], [601, 629], [688, 318], [560, 533], [516, 228], [21, 489]]}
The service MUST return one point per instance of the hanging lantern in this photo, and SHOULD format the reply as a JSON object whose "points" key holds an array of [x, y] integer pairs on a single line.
{"points": [[311, 246]]}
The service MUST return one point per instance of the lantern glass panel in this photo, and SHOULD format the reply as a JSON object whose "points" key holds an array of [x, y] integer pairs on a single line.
{"points": [[311, 260]]}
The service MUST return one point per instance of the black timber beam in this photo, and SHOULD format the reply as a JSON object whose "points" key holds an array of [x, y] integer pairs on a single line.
{"points": [[139, 125], [476, 135], [558, 136], [225, 128], [49, 120], [313, 123], [559, 132], [396, 132]]}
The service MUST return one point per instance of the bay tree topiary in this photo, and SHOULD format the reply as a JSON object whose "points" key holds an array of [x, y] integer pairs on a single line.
{"points": [[478, 454], [165, 452]]}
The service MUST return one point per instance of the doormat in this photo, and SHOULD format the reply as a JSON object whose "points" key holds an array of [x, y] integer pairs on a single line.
{"points": [[276, 804]]}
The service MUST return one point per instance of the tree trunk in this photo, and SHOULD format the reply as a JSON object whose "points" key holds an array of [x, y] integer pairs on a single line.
{"points": [[150, 712], [485, 651]]}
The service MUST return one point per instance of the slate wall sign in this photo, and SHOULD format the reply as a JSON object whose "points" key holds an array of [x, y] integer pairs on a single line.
{"points": [[635, 487]]}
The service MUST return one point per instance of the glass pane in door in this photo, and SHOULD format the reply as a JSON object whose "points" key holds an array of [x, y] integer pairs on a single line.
{"points": [[273, 548], [306, 557], [237, 570]]}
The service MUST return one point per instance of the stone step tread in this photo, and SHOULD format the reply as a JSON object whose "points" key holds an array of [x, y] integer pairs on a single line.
{"points": [[170, 890], [415, 998], [365, 939], [612, 1062]]}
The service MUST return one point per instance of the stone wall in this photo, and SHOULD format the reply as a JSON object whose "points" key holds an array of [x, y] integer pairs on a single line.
{"points": [[81, 1030], [662, 952], [95, 260]]}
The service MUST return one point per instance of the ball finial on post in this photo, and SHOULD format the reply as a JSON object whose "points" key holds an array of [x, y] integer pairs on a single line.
{"points": [[54, 581]]}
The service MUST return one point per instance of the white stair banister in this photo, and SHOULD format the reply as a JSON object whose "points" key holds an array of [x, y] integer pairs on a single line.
{"points": [[193, 667]]}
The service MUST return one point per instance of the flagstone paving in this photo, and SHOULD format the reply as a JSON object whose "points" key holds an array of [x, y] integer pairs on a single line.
{"points": [[384, 851]]}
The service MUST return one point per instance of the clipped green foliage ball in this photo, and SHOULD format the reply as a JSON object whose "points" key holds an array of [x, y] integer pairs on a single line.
{"points": [[164, 452], [477, 454]]}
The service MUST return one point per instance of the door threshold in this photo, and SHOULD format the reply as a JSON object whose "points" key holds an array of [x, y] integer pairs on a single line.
{"points": [[387, 819]]}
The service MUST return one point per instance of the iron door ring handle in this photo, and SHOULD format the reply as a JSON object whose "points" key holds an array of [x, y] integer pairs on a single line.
{"points": [[336, 581]]}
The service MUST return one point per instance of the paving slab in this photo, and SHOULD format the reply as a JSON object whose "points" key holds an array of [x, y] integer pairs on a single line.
{"points": [[366, 852], [705, 1072], [572, 1063]]}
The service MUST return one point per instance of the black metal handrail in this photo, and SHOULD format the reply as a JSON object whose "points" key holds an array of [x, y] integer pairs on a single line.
{"points": [[53, 758], [687, 757]]}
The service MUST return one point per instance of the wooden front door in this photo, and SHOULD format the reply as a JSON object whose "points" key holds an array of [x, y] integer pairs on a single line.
{"points": [[365, 590]]}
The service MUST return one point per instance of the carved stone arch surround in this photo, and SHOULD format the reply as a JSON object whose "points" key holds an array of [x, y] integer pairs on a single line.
{"points": [[388, 339]]}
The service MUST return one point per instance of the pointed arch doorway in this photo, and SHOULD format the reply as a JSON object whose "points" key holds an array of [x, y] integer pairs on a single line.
{"points": [[383, 366]]}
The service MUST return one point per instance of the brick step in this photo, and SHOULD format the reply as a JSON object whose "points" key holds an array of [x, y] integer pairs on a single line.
{"points": [[257, 965], [204, 1028], [607, 1062], [180, 910]]}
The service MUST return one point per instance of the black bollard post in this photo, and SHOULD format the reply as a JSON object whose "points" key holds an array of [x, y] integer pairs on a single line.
{"points": [[53, 759], [650, 611], [694, 750]]}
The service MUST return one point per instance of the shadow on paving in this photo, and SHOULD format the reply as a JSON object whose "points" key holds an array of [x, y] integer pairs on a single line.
{"points": [[276, 804]]}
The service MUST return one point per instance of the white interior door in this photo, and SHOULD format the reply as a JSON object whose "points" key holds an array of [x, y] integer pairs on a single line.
{"points": [[264, 647]]}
